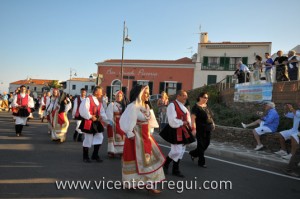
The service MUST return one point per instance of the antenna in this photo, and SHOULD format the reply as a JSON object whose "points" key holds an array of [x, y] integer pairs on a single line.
{"points": [[191, 50], [199, 30]]}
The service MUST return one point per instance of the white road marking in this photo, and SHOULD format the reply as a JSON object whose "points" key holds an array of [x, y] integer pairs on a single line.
{"points": [[245, 166]]}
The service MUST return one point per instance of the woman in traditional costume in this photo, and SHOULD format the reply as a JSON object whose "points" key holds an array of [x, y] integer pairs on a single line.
{"points": [[59, 118], [142, 158], [115, 135]]}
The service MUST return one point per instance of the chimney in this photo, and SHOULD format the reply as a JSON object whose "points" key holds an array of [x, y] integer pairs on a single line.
{"points": [[204, 37]]}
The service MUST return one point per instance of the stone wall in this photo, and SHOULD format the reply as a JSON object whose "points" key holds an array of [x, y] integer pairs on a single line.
{"points": [[283, 93], [245, 138]]}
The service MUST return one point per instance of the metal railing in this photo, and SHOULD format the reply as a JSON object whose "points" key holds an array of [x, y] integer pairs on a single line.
{"points": [[226, 83], [221, 67]]}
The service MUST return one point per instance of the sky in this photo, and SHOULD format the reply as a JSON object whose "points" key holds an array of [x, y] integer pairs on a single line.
{"points": [[46, 39]]}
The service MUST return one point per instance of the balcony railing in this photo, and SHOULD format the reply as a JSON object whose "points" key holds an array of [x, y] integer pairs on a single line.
{"points": [[220, 67]]}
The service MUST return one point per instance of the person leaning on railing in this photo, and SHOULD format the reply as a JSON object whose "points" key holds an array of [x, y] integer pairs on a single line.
{"points": [[242, 72]]}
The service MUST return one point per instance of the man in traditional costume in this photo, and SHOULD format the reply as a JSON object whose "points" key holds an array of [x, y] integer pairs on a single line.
{"points": [[178, 132], [75, 114], [142, 158], [59, 118], [93, 114], [115, 135], [21, 109], [43, 102]]}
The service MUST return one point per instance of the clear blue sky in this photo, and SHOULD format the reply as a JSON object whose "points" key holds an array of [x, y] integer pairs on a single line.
{"points": [[43, 39]]}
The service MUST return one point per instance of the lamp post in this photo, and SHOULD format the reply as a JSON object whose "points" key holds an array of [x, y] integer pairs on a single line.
{"points": [[71, 73], [125, 39]]}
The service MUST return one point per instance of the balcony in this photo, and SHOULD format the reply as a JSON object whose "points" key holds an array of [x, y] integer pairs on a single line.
{"points": [[218, 67]]}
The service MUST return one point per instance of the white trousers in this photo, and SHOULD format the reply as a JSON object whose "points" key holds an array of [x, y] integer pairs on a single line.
{"points": [[177, 151], [20, 120], [77, 126], [90, 139]]}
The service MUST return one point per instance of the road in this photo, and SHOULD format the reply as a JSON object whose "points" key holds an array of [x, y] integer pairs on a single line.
{"points": [[30, 166]]}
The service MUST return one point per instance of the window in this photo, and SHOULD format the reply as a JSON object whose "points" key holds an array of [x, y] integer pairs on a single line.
{"points": [[211, 79], [73, 87], [143, 83], [170, 87], [235, 60], [86, 87], [92, 88], [212, 61], [34, 88]]}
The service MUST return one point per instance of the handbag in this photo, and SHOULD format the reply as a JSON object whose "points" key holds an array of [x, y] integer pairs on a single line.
{"points": [[210, 127], [87, 124]]}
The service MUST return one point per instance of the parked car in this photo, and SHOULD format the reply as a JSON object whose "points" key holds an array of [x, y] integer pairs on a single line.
{"points": [[154, 97]]}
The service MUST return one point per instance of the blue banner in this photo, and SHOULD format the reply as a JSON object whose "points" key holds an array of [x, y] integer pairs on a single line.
{"points": [[248, 92]]}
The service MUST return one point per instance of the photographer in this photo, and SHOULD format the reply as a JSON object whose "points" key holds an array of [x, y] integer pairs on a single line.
{"points": [[295, 158], [292, 133]]}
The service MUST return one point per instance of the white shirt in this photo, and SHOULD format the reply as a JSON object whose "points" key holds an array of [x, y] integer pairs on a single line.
{"points": [[112, 108], [76, 106], [30, 101], [172, 115], [84, 109]]}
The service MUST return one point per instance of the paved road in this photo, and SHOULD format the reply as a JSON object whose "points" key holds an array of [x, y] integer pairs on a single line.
{"points": [[30, 165]]}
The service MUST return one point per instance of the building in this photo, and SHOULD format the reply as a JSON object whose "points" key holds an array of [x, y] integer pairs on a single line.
{"points": [[74, 85], [37, 86], [160, 75], [217, 61]]}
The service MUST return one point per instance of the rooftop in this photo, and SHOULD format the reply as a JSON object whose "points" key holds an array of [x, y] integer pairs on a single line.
{"points": [[184, 60], [32, 81]]}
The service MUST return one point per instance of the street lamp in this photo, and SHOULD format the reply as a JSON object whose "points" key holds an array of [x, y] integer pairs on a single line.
{"points": [[71, 73], [125, 39]]}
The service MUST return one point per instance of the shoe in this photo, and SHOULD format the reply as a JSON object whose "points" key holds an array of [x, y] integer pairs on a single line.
{"points": [[110, 155], [97, 159], [192, 157], [178, 174], [290, 173], [244, 125], [287, 157], [258, 147], [154, 191], [281, 152], [18, 134], [87, 160], [203, 166]]}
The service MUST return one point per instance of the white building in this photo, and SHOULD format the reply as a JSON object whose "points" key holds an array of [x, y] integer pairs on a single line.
{"points": [[74, 85], [36, 86], [217, 60]]}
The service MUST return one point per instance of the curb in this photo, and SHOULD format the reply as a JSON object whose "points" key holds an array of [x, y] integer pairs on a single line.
{"points": [[246, 155]]}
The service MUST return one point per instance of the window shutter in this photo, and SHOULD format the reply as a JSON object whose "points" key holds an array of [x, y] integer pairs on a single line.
{"points": [[245, 60], [227, 61], [134, 83], [205, 61], [161, 87], [150, 84], [178, 86], [222, 61], [124, 90], [108, 91], [211, 79]]}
